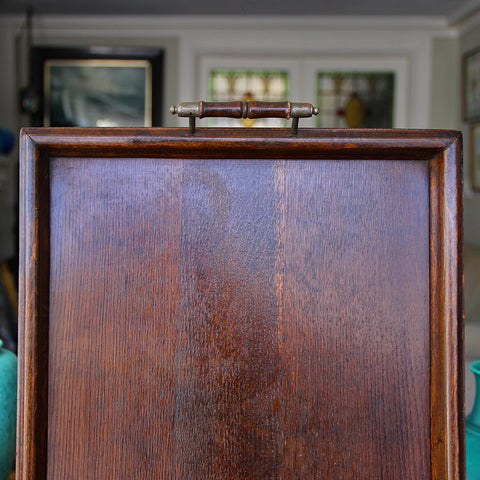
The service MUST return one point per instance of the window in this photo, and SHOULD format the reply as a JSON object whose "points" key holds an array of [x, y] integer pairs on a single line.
{"points": [[360, 90], [355, 99], [227, 85]]}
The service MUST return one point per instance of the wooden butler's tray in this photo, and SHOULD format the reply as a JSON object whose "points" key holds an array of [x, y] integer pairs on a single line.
{"points": [[240, 304]]}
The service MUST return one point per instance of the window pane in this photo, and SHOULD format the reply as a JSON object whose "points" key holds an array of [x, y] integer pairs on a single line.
{"points": [[261, 85], [355, 99]]}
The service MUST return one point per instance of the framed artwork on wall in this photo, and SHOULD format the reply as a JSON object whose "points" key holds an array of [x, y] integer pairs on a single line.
{"points": [[471, 86], [475, 157], [97, 87]]}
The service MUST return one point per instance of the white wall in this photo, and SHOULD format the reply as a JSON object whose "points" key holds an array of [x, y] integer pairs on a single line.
{"points": [[445, 91]]}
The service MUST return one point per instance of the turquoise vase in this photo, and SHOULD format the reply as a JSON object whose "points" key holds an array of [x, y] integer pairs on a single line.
{"points": [[8, 410], [472, 429]]}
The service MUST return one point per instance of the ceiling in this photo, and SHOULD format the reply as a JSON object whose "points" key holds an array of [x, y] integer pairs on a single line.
{"points": [[445, 8]]}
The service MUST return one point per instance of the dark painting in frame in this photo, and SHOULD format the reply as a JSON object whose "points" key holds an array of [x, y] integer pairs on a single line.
{"points": [[475, 157], [471, 86], [88, 86]]}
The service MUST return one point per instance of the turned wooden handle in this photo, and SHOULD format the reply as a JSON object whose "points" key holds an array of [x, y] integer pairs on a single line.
{"points": [[250, 109]]}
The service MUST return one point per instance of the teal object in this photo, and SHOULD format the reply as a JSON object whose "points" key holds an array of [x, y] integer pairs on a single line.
{"points": [[8, 410], [472, 429]]}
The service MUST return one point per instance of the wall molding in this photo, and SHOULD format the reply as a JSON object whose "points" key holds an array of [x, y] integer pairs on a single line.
{"points": [[466, 17], [176, 23]]}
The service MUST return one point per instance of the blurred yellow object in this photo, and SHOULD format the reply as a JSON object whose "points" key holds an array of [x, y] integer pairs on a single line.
{"points": [[7, 281], [354, 111]]}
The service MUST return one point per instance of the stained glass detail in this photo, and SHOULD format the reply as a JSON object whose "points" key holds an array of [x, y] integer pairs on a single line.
{"points": [[355, 99], [260, 85]]}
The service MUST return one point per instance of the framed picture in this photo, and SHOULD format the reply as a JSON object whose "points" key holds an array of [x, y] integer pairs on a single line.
{"points": [[97, 87], [475, 157], [471, 86]]}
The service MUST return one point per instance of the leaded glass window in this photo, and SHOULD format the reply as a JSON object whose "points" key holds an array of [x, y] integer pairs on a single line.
{"points": [[355, 99], [228, 85]]}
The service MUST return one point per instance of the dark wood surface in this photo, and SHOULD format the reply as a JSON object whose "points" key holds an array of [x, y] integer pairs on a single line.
{"points": [[240, 304], [249, 109]]}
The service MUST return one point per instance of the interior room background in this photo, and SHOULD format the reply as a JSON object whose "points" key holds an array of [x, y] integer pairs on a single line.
{"points": [[424, 52]]}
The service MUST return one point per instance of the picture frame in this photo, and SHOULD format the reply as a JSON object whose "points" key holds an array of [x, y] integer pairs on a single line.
{"points": [[475, 157], [471, 86], [97, 86]]}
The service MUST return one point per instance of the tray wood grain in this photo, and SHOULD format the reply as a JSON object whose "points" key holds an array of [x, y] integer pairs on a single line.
{"points": [[240, 304]]}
